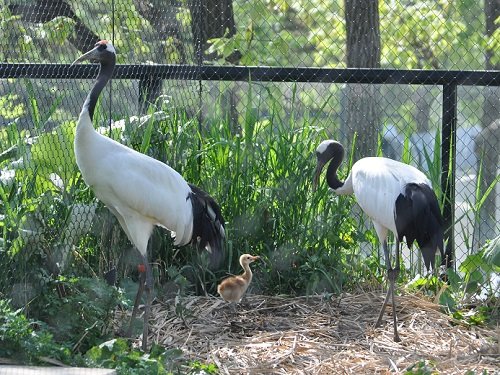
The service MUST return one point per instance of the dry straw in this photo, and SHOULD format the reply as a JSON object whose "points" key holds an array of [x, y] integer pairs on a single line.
{"points": [[318, 335]]}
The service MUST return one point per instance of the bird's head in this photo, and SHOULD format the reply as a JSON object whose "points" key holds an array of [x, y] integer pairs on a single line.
{"points": [[103, 51], [247, 258], [326, 151]]}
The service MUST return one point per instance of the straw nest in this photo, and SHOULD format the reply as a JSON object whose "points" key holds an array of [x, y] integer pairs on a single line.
{"points": [[322, 335]]}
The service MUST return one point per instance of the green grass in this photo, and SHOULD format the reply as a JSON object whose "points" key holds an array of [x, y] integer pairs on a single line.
{"points": [[260, 175], [262, 179]]}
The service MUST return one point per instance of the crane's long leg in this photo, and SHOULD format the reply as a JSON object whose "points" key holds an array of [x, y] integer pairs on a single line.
{"points": [[395, 274], [142, 280], [147, 309], [389, 290], [392, 275], [145, 283]]}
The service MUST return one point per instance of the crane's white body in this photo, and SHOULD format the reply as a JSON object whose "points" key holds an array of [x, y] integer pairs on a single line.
{"points": [[139, 190], [376, 183]]}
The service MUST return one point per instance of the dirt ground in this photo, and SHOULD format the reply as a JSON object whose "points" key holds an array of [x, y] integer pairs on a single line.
{"points": [[323, 335]]}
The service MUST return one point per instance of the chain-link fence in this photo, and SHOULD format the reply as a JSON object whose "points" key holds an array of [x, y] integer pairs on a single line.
{"points": [[397, 107]]}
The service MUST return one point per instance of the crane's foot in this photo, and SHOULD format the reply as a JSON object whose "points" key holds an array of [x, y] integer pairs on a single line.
{"points": [[230, 308]]}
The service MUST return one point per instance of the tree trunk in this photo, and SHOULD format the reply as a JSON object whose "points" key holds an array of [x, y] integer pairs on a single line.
{"points": [[421, 97], [211, 19], [43, 11], [363, 51], [161, 15], [215, 19], [488, 141], [423, 103]]}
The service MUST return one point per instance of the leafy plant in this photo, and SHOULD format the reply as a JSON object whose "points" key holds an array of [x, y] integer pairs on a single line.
{"points": [[118, 354], [78, 311], [27, 341], [470, 295], [479, 316], [52, 157], [422, 367]]}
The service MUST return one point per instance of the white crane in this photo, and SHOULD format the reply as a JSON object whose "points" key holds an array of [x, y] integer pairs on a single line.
{"points": [[397, 197], [141, 191]]}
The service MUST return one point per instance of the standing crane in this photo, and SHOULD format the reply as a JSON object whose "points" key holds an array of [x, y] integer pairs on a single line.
{"points": [[397, 197], [141, 191]]}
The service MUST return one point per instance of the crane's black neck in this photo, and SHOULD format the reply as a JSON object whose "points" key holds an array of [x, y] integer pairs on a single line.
{"points": [[331, 173], [105, 73]]}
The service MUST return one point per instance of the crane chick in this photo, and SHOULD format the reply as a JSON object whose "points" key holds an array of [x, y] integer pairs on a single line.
{"points": [[233, 288]]}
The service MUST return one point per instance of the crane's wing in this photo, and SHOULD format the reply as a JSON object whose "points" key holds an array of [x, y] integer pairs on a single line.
{"points": [[378, 182], [208, 223], [418, 217], [142, 189]]}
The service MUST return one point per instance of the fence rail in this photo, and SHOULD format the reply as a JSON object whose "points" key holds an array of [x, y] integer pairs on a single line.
{"points": [[258, 73]]}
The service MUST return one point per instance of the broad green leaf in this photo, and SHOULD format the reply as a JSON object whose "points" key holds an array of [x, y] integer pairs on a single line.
{"points": [[492, 252], [446, 299], [53, 153]]}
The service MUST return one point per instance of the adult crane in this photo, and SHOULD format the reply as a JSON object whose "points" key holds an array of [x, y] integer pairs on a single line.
{"points": [[141, 191], [397, 197]]}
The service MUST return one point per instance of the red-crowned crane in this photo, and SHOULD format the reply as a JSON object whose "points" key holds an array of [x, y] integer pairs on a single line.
{"points": [[141, 191], [397, 197], [233, 288]]}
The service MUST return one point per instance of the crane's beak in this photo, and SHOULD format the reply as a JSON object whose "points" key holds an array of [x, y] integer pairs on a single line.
{"points": [[90, 55], [254, 258], [317, 173]]}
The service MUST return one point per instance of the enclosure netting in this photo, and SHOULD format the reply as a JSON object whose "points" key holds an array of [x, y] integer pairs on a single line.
{"points": [[52, 224]]}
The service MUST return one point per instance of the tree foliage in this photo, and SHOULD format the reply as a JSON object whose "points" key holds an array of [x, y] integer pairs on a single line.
{"points": [[415, 34]]}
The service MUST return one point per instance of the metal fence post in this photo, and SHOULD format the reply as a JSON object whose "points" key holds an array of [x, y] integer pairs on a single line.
{"points": [[199, 63], [448, 163]]}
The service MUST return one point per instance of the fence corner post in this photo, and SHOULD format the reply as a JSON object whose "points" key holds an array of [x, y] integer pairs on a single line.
{"points": [[448, 164]]}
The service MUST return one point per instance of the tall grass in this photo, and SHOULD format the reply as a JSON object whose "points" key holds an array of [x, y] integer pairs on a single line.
{"points": [[261, 175], [262, 179]]}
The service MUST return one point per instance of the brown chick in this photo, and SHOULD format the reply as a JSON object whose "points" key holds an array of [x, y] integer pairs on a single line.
{"points": [[233, 288]]}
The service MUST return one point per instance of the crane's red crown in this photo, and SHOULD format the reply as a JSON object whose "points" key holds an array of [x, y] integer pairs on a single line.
{"points": [[105, 45]]}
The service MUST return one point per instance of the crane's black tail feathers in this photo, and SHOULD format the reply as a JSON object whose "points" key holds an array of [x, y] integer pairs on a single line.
{"points": [[208, 224], [418, 218]]}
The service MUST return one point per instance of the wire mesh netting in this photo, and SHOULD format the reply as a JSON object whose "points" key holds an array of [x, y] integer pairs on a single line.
{"points": [[250, 144]]}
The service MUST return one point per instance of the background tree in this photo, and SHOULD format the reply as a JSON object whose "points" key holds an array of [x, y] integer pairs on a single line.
{"points": [[43, 11], [488, 141], [363, 51], [212, 19], [169, 41]]}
